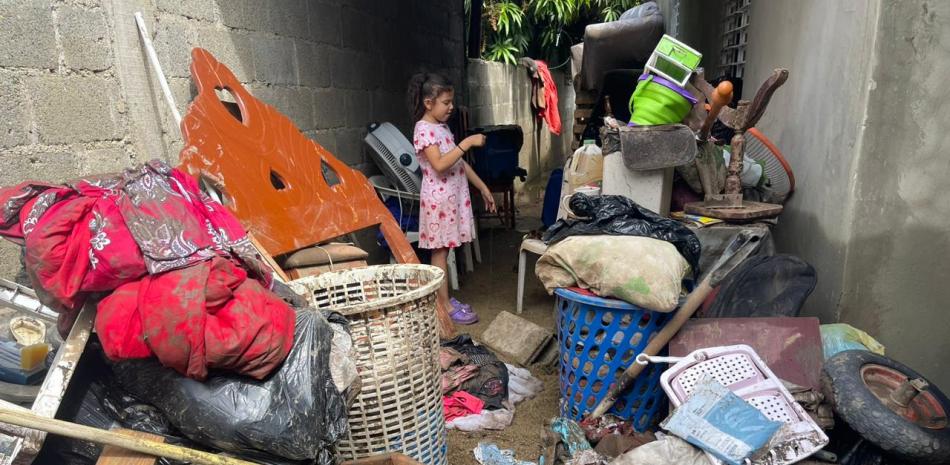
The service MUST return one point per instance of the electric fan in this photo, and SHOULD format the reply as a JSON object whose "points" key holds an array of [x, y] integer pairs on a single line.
{"points": [[395, 156], [781, 180]]}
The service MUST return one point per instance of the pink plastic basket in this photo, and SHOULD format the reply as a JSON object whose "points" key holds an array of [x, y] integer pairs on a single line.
{"points": [[741, 370]]}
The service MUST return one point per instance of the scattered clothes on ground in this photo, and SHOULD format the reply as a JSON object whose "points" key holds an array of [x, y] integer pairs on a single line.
{"points": [[521, 386], [456, 376], [487, 420], [491, 454], [619, 216], [490, 383], [460, 404], [572, 435], [297, 413], [587, 457], [839, 337], [653, 281], [176, 257], [448, 356], [596, 429], [814, 403], [666, 450], [721, 423]]}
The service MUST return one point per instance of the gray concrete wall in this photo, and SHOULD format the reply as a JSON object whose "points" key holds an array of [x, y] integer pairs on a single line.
{"points": [[77, 96], [899, 257], [863, 120], [501, 94], [816, 119]]}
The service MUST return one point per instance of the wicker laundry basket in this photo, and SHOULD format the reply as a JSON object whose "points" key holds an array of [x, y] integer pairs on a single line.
{"points": [[391, 310]]}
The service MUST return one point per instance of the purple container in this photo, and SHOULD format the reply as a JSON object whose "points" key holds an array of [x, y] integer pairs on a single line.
{"points": [[669, 85]]}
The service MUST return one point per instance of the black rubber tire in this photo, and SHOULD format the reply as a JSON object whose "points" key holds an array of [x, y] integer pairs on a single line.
{"points": [[852, 400], [17, 393]]}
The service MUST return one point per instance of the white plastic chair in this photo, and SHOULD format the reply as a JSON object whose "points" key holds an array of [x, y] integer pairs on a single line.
{"points": [[535, 246]]}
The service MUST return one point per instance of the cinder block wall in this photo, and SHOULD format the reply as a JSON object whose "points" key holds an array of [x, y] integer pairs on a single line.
{"points": [[501, 94], [77, 96]]}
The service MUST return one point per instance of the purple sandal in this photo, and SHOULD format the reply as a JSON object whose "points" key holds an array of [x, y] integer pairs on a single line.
{"points": [[462, 313]]}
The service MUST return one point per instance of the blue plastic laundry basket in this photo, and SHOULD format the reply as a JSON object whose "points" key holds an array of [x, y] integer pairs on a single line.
{"points": [[599, 338]]}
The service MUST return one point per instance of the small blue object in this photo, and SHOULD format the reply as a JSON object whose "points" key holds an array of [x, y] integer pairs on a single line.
{"points": [[721, 423], [571, 434], [10, 371], [552, 198], [490, 454], [599, 338]]}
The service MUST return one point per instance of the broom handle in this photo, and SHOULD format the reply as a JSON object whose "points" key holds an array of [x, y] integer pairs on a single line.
{"points": [[86, 433], [721, 97], [693, 301]]}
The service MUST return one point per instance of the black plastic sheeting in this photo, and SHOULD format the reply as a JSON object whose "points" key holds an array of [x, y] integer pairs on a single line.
{"points": [[765, 286], [297, 413], [617, 215], [94, 399]]}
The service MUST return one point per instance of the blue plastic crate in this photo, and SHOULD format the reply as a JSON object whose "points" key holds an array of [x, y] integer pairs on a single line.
{"points": [[598, 339]]}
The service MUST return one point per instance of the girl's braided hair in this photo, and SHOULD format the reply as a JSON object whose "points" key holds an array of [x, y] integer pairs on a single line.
{"points": [[424, 86]]}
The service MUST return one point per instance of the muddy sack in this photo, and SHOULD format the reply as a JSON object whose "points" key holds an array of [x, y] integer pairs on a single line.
{"points": [[617, 215]]}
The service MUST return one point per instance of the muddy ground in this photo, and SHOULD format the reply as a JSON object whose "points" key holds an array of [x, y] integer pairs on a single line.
{"points": [[490, 289]]}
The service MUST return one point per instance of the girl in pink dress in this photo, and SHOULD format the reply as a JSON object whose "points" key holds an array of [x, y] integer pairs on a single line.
{"points": [[445, 219]]}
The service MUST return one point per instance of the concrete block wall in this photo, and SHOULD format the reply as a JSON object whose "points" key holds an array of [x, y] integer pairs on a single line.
{"points": [[501, 94], [863, 123], [77, 96]]}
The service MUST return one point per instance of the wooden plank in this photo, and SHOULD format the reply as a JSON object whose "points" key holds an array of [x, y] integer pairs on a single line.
{"points": [[115, 438], [749, 211], [791, 347], [112, 455]]}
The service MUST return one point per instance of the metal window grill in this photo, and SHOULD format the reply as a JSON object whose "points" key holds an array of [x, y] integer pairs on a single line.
{"points": [[735, 32]]}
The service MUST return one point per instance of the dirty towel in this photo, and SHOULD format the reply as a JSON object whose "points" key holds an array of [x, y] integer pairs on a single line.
{"points": [[491, 454], [142, 231], [460, 404], [296, 413], [456, 376], [666, 450], [521, 386], [549, 112], [490, 384], [838, 337], [651, 278], [619, 216], [721, 423]]}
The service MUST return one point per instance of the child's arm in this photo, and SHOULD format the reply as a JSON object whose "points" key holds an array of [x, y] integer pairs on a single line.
{"points": [[441, 162], [481, 186]]}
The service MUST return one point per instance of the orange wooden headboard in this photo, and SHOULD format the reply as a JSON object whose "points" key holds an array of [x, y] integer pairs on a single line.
{"points": [[270, 174]]}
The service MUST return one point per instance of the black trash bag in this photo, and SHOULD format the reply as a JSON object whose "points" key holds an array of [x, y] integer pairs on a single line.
{"points": [[297, 413], [764, 286], [491, 383], [94, 399], [617, 215]]}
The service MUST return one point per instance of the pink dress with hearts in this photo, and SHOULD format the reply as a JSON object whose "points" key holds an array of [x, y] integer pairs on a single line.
{"points": [[445, 219]]}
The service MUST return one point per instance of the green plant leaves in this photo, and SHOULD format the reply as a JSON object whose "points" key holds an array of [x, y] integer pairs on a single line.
{"points": [[545, 28]]}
